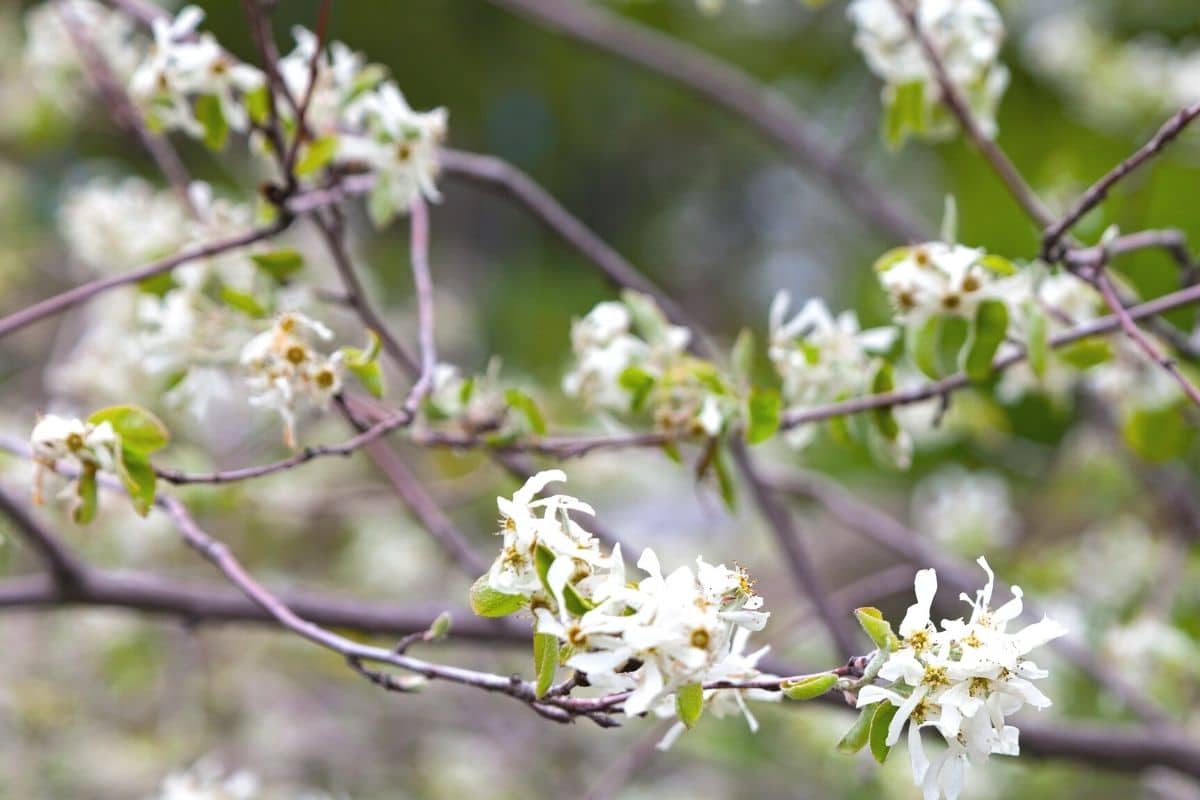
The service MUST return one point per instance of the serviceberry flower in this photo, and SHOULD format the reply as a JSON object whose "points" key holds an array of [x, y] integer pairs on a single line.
{"points": [[183, 65], [399, 145], [943, 278], [283, 368], [966, 34], [72, 442], [963, 680], [821, 358]]}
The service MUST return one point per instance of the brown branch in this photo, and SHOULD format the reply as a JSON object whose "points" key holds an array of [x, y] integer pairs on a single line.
{"points": [[69, 572], [81, 294], [887, 532], [1105, 284], [1099, 191], [771, 114], [209, 604], [925, 391], [953, 100]]}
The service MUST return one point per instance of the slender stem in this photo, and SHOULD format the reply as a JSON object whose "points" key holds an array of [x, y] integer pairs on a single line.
{"points": [[69, 572]]}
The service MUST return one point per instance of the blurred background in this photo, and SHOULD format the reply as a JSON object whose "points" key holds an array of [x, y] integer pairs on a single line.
{"points": [[107, 704]]}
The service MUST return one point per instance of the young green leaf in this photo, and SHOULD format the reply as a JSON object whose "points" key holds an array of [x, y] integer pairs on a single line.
{"points": [[1158, 434], [85, 497], [905, 113], [689, 703], [856, 738], [891, 258], [545, 661], [258, 104], [316, 155], [924, 345], [884, 420], [809, 687], [763, 413], [137, 475], [998, 265], [487, 602], [724, 478], [381, 206], [638, 383], [138, 428], [279, 264], [576, 603], [543, 557], [987, 334], [212, 119], [244, 302], [878, 628], [880, 721], [522, 402], [1086, 353]]}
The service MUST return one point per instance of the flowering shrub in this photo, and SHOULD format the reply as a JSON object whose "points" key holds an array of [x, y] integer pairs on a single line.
{"points": [[194, 303]]}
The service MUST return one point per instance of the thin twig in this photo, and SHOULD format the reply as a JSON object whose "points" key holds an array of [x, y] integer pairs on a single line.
{"points": [[69, 572]]}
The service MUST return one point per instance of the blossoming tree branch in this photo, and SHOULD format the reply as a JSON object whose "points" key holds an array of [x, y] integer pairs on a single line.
{"points": [[200, 291]]}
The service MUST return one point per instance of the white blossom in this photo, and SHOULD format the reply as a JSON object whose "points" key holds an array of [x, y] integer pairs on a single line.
{"points": [[114, 226], [283, 368], [73, 443], [399, 145], [942, 278], [966, 35], [963, 679], [182, 65], [961, 508]]}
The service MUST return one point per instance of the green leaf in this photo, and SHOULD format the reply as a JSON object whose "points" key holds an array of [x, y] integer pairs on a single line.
{"points": [[317, 154], [279, 264], [85, 497], [891, 258], [724, 479], [987, 334], [809, 687], [856, 738], [878, 628], [998, 265], [370, 375], [763, 411], [212, 119], [522, 402], [924, 346], [1158, 434], [487, 602], [576, 603], [381, 207], [689, 703], [137, 475], [905, 113], [880, 721], [639, 384], [883, 419], [138, 428], [545, 661], [1086, 353], [243, 302], [742, 357], [440, 628], [543, 557], [258, 104], [158, 285], [1036, 347]]}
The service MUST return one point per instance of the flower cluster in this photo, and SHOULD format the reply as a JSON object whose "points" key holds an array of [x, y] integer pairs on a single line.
{"points": [[112, 226], [51, 54], [284, 368], [964, 680], [821, 358], [966, 35], [966, 510], [185, 73], [650, 638], [629, 358], [76, 444], [943, 278]]}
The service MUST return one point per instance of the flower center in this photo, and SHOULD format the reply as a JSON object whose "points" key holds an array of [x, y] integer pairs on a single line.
{"points": [[935, 676], [700, 639], [296, 354], [74, 441]]}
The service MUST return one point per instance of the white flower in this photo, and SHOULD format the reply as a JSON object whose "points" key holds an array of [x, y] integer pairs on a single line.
{"points": [[183, 64], [966, 34], [283, 367], [941, 278], [398, 144], [79, 445], [963, 679], [114, 226], [821, 358], [957, 507]]}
